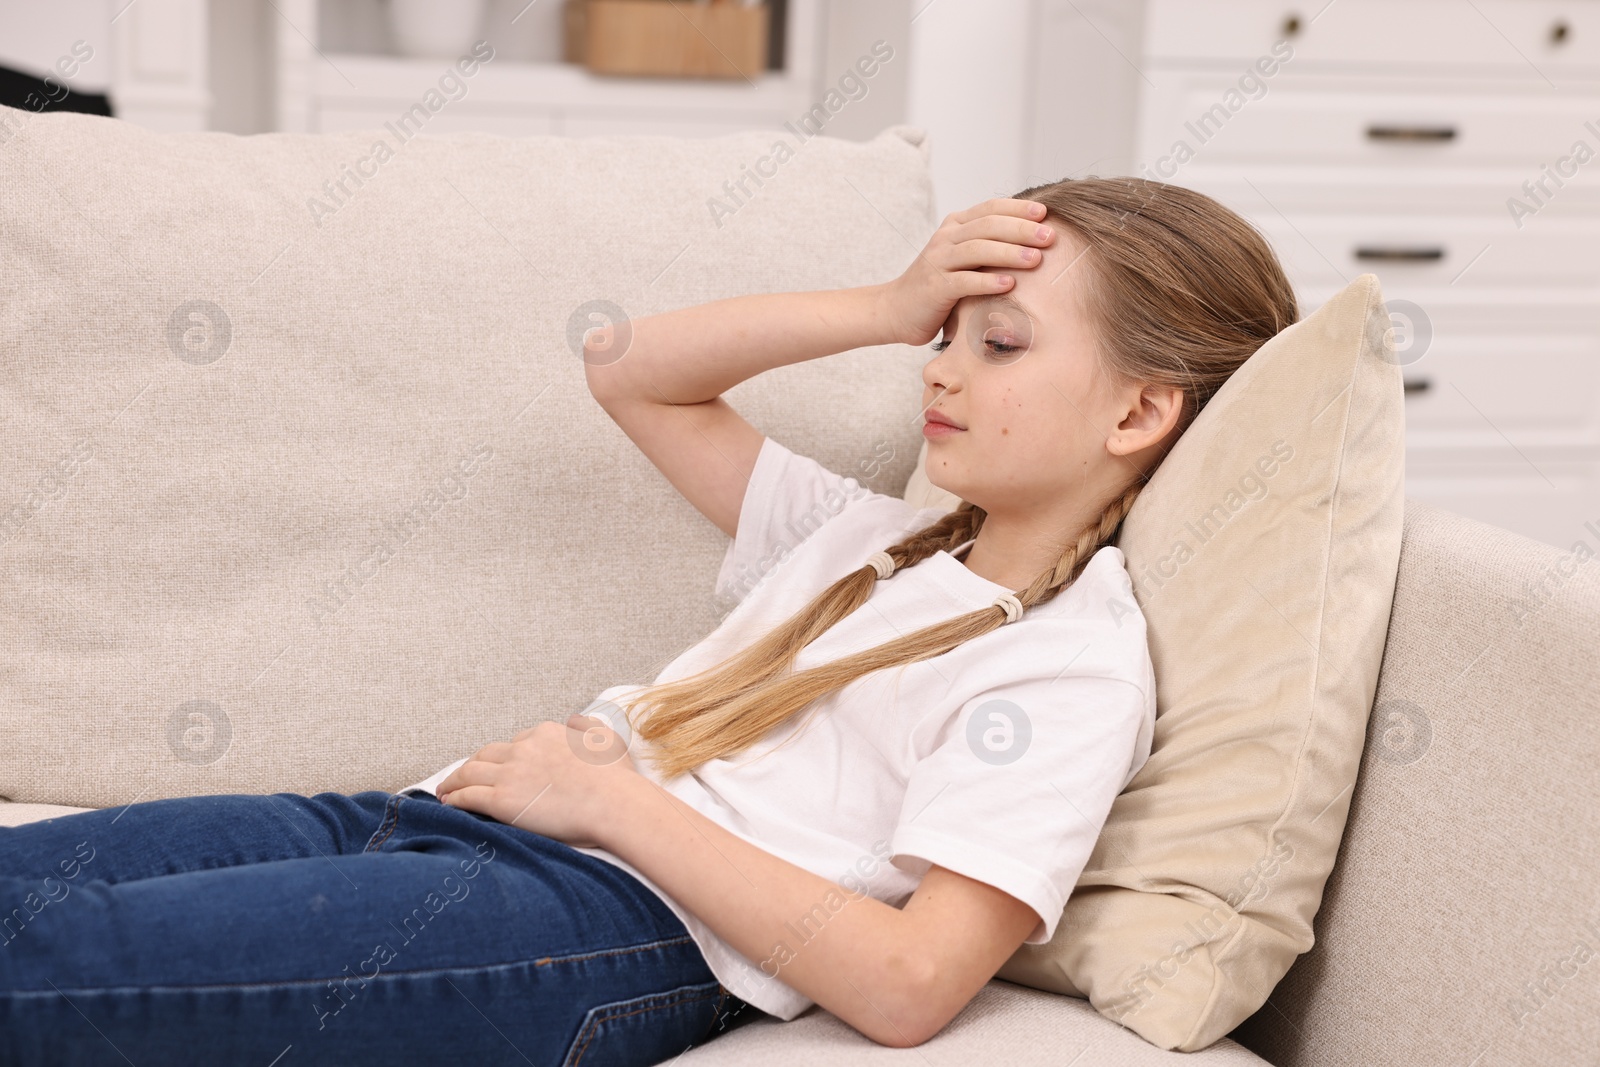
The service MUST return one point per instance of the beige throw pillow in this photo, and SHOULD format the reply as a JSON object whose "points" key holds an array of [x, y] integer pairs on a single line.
{"points": [[1263, 554]]}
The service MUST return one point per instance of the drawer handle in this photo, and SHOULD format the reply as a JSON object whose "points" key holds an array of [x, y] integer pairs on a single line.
{"points": [[1411, 133], [1417, 385], [1400, 255]]}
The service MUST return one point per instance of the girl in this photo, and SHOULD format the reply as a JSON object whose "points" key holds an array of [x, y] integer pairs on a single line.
{"points": [[880, 775]]}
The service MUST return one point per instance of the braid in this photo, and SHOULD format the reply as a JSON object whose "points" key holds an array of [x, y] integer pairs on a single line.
{"points": [[1049, 584], [950, 530], [728, 707], [963, 523]]}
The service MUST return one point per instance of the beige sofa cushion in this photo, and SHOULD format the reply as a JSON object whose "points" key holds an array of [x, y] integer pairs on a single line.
{"points": [[1263, 554], [305, 501]]}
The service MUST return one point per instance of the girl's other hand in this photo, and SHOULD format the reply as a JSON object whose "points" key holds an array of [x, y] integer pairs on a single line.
{"points": [[1003, 232], [562, 780]]}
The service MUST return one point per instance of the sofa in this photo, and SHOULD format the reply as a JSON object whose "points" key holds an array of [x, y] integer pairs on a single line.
{"points": [[233, 365]]}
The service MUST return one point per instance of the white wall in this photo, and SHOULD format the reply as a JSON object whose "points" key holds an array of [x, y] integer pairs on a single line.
{"points": [[1085, 89], [241, 35], [971, 62], [1022, 92], [853, 26]]}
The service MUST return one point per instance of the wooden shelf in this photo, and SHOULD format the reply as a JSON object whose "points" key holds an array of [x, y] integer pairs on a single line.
{"points": [[321, 91]]}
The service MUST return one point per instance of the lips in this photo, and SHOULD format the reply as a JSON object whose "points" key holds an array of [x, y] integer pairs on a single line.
{"points": [[941, 420]]}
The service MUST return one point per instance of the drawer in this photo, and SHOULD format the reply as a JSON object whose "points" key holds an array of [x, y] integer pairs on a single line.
{"points": [[1419, 253], [1557, 502], [1362, 123], [1524, 37], [1298, 191], [1455, 311], [1492, 391]]}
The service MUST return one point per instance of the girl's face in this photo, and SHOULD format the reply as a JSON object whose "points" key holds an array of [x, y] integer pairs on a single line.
{"points": [[1043, 422]]}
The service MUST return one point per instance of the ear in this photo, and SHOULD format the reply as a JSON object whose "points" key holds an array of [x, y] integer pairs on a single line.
{"points": [[1150, 414]]}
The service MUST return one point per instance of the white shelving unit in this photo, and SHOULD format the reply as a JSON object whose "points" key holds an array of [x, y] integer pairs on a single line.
{"points": [[158, 58], [1392, 140], [321, 90]]}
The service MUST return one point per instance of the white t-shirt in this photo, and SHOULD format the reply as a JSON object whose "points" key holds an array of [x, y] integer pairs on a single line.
{"points": [[998, 760]]}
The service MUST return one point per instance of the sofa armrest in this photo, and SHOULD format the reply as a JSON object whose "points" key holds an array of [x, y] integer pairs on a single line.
{"points": [[1453, 921]]}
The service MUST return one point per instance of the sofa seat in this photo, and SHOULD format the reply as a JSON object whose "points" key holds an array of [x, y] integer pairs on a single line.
{"points": [[1004, 1023], [12, 814]]}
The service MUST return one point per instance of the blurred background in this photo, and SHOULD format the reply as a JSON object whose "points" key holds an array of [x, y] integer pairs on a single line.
{"points": [[1444, 145]]}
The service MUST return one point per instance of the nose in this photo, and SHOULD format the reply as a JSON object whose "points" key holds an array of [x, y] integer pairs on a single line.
{"points": [[938, 374]]}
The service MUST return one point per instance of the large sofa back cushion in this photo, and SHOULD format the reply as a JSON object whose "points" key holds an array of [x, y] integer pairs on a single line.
{"points": [[304, 486], [1461, 923]]}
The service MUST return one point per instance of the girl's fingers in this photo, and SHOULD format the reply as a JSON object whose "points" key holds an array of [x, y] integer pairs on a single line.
{"points": [[1005, 228], [1004, 205], [969, 254], [471, 772], [1003, 233], [472, 797], [978, 283]]}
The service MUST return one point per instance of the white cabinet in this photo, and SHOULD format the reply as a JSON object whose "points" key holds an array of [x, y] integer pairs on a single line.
{"points": [[160, 77], [1454, 151], [330, 78]]}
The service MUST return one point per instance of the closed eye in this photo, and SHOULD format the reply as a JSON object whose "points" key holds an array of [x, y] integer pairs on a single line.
{"points": [[997, 349]]}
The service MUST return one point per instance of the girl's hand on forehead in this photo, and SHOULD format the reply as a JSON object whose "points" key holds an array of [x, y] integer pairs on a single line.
{"points": [[1004, 232]]}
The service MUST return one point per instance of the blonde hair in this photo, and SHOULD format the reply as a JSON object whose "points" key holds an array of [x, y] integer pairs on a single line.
{"points": [[1181, 291]]}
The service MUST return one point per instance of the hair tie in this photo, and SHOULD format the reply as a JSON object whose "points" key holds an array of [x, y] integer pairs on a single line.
{"points": [[1012, 605], [882, 563]]}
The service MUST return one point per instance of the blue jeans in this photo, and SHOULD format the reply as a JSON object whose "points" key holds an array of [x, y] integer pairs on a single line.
{"points": [[374, 928]]}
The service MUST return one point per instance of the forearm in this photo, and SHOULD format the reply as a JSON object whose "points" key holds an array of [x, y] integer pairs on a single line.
{"points": [[857, 958], [697, 353]]}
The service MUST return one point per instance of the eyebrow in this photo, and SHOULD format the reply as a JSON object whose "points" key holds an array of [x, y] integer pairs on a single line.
{"points": [[1009, 301], [1003, 299]]}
